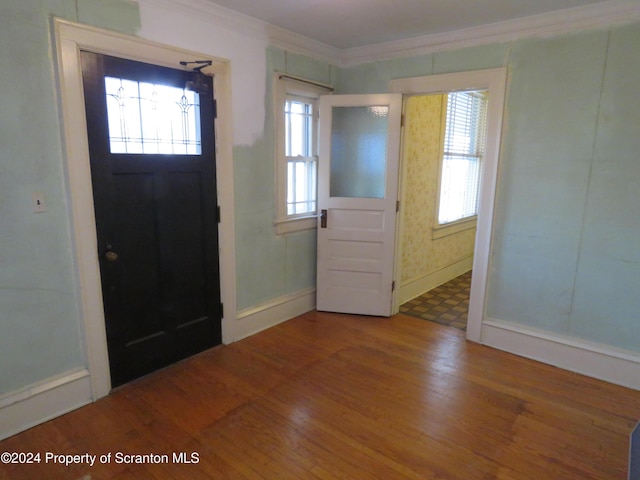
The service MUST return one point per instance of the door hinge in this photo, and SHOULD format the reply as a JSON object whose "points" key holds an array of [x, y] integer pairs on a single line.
{"points": [[402, 120], [221, 310], [397, 206], [218, 214], [215, 108], [393, 286]]}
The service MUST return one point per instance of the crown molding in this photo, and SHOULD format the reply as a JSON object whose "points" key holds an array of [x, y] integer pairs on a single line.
{"points": [[297, 43], [600, 15]]}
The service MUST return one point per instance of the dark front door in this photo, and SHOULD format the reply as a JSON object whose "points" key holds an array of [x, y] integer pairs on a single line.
{"points": [[151, 143]]}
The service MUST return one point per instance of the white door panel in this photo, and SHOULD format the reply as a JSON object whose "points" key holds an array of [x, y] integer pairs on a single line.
{"points": [[357, 187]]}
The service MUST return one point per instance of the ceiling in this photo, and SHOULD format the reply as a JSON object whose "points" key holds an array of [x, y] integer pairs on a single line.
{"points": [[354, 23]]}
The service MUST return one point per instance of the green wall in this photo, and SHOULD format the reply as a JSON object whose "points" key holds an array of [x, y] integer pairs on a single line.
{"points": [[40, 331], [270, 266], [566, 256], [565, 250]]}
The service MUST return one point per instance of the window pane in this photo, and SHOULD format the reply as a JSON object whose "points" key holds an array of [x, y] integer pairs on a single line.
{"points": [[301, 188], [298, 128], [459, 189], [463, 151], [301, 160], [358, 151], [146, 118], [301, 185]]}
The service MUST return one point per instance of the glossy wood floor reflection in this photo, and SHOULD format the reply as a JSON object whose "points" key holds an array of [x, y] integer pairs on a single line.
{"points": [[328, 396]]}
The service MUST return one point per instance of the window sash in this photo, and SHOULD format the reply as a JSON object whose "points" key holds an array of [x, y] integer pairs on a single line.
{"points": [[299, 125], [302, 181], [300, 156]]}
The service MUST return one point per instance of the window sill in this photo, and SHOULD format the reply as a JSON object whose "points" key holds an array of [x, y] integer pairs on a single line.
{"points": [[455, 227], [293, 225]]}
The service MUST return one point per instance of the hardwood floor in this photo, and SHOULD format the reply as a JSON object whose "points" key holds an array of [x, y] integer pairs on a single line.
{"points": [[327, 396]]}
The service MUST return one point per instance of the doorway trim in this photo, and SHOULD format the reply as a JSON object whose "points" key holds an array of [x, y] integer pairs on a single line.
{"points": [[495, 81], [70, 38]]}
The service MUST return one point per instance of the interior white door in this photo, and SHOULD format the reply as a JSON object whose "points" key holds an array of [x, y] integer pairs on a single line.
{"points": [[357, 195]]}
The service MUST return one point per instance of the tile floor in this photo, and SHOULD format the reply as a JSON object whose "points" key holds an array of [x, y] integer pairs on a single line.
{"points": [[447, 304]]}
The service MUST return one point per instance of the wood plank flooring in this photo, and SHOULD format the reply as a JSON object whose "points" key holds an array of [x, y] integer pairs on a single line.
{"points": [[327, 396]]}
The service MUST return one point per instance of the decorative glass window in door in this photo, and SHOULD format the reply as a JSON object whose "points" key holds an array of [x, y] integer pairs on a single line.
{"points": [[147, 118]]}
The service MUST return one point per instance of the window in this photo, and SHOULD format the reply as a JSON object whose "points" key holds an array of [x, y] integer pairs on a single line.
{"points": [[300, 152], [463, 150], [147, 118], [296, 116]]}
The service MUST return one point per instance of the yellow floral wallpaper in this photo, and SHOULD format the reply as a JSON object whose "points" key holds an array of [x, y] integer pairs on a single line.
{"points": [[422, 255]]}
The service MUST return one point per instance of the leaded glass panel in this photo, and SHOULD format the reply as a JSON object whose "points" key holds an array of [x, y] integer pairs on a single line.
{"points": [[147, 118]]}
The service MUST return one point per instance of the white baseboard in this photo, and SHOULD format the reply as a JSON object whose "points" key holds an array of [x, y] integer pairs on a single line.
{"points": [[416, 287], [42, 401], [591, 359], [255, 319]]}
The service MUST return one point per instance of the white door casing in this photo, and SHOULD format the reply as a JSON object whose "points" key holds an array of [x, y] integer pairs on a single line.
{"points": [[356, 247], [70, 39], [495, 82]]}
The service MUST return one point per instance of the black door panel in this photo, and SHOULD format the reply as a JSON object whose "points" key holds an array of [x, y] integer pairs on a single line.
{"points": [[157, 233]]}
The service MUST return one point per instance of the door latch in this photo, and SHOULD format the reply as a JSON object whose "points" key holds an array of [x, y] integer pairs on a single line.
{"points": [[110, 255], [323, 219]]}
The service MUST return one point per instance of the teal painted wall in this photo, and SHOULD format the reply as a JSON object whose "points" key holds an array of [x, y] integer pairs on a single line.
{"points": [[40, 331], [565, 255], [270, 266]]}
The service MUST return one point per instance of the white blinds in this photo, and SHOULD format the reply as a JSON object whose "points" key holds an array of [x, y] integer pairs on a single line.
{"points": [[464, 143]]}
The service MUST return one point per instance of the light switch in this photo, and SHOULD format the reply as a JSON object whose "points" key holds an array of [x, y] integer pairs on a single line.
{"points": [[38, 205]]}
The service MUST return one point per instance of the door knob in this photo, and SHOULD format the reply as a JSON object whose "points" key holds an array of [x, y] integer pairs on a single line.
{"points": [[111, 256]]}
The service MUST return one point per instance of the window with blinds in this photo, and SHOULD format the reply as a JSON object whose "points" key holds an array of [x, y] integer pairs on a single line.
{"points": [[464, 144]]}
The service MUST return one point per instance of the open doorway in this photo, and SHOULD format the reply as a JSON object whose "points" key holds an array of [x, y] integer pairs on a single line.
{"points": [[493, 81], [444, 142]]}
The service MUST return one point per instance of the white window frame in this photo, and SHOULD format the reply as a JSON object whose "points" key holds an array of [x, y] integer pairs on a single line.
{"points": [[440, 230], [285, 86]]}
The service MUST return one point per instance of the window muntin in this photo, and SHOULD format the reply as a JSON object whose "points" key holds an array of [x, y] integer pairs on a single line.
{"points": [[147, 118], [464, 145]]}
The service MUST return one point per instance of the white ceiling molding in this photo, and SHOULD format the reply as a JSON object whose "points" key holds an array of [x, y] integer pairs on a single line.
{"points": [[600, 15], [293, 42], [614, 12]]}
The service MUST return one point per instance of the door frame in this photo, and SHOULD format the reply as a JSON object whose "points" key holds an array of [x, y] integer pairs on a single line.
{"points": [[495, 81], [70, 38]]}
